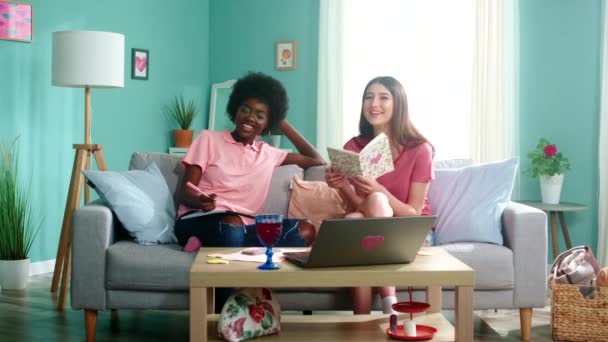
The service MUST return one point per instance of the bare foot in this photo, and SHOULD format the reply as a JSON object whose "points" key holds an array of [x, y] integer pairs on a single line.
{"points": [[192, 245]]}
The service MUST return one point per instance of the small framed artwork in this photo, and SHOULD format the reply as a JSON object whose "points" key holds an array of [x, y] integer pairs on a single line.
{"points": [[140, 64], [16, 21], [286, 55]]}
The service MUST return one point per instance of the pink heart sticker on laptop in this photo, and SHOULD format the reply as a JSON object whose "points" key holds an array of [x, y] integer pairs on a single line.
{"points": [[370, 242]]}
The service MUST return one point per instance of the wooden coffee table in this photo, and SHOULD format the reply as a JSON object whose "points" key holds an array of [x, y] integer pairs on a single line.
{"points": [[433, 271]]}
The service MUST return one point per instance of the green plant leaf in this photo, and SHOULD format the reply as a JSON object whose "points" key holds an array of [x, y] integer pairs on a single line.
{"points": [[541, 164], [182, 112], [19, 220]]}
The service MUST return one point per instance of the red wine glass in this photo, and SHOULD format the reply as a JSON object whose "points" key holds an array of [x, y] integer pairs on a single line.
{"points": [[268, 228]]}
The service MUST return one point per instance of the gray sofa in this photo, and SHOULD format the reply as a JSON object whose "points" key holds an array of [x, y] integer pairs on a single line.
{"points": [[109, 273]]}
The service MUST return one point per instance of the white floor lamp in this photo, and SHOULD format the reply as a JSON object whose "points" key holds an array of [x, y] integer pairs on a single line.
{"points": [[83, 59]]}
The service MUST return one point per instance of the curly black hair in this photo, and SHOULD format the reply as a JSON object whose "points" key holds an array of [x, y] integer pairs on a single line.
{"points": [[264, 88]]}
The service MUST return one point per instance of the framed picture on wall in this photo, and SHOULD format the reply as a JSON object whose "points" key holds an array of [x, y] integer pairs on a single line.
{"points": [[286, 55], [140, 64], [16, 21]]}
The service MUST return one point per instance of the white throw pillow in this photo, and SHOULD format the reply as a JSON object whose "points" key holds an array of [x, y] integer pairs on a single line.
{"points": [[141, 200], [469, 201], [452, 163]]}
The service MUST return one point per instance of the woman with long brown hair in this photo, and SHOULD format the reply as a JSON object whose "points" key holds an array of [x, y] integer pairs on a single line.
{"points": [[402, 192]]}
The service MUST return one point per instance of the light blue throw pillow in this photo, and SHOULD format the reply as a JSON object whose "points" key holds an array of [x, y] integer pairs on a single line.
{"points": [[469, 201], [141, 200]]}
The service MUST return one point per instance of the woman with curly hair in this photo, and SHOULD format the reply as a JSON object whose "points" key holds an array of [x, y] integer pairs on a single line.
{"points": [[233, 171]]}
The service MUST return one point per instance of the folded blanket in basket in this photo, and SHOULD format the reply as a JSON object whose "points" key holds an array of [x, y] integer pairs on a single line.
{"points": [[576, 266]]}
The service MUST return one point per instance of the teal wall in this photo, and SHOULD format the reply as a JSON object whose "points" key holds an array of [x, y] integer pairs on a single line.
{"points": [[194, 43], [243, 39], [50, 119], [560, 100]]}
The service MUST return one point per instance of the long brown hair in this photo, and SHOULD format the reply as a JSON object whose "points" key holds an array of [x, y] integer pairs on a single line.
{"points": [[402, 130]]}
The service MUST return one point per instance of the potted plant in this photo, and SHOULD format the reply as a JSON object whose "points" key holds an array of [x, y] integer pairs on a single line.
{"points": [[550, 165], [19, 222], [183, 113]]}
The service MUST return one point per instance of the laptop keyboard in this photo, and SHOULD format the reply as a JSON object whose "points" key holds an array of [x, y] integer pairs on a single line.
{"points": [[299, 256]]}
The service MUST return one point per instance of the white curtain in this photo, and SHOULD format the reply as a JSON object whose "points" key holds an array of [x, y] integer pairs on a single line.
{"points": [[494, 117], [441, 57], [602, 243], [330, 98]]}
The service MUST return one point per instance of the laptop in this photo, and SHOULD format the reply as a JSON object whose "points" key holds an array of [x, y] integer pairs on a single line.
{"points": [[365, 241]]}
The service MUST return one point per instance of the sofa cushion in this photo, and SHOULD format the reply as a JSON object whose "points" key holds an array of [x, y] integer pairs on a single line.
{"points": [[315, 173], [469, 201], [169, 166], [493, 264], [130, 266], [316, 201], [277, 199], [452, 163], [140, 199]]}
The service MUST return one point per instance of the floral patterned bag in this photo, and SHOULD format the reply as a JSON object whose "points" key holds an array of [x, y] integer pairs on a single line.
{"points": [[249, 313]]}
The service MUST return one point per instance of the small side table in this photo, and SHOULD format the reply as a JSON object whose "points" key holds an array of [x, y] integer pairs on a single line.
{"points": [[555, 210]]}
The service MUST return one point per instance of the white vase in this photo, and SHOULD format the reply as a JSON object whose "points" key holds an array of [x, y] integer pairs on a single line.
{"points": [[14, 274], [551, 188]]}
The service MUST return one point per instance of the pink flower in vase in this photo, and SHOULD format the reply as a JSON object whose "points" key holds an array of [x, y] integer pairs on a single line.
{"points": [[550, 150]]}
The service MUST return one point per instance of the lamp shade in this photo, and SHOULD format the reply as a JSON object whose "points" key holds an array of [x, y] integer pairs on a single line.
{"points": [[88, 59]]}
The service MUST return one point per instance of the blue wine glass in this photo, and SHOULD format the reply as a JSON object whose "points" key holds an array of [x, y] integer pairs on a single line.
{"points": [[268, 228]]}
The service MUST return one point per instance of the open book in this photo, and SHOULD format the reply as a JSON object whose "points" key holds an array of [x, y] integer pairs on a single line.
{"points": [[197, 213], [373, 161]]}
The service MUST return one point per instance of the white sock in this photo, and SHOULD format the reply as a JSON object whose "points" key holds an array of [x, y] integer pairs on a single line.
{"points": [[387, 304]]}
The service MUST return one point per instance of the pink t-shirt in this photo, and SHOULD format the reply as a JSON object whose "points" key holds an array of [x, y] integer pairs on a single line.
{"points": [[412, 165], [238, 174]]}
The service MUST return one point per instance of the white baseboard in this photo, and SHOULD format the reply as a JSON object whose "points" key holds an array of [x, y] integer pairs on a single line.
{"points": [[42, 267]]}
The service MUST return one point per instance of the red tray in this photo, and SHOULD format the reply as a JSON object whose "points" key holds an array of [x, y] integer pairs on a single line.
{"points": [[410, 306], [423, 332]]}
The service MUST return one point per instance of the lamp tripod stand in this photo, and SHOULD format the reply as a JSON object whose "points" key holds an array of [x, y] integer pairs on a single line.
{"points": [[82, 161], [83, 59]]}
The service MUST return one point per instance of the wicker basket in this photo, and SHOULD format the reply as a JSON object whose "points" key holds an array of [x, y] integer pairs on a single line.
{"points": [[575, 318]]}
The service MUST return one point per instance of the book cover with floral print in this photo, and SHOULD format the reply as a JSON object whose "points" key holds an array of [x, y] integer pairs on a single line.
{"points": [[249, 313], [373, 161]]}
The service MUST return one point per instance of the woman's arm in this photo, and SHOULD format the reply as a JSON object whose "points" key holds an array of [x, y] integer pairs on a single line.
{"points": [[335, 179], [308, 156], [349, 196], [186, 197]]}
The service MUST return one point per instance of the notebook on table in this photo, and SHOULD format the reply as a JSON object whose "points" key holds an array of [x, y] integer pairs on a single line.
{"points": [[365, 241]]}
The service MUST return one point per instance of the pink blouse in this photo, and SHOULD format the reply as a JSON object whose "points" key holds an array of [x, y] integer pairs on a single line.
{"points": [[412, 165], [238, 174]]}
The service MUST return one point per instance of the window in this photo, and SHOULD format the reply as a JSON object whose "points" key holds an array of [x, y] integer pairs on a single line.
{"points": [[457, 60]]}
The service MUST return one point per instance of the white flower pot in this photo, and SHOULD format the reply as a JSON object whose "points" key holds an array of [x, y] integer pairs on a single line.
{"points": [[551, 188], [14, 274]]}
